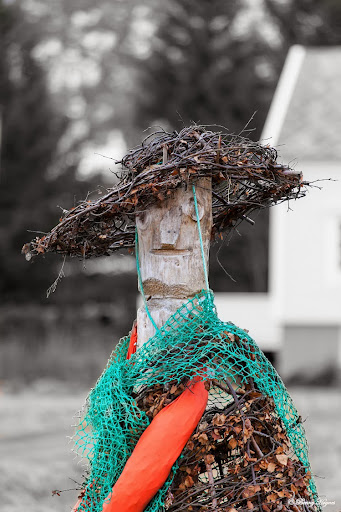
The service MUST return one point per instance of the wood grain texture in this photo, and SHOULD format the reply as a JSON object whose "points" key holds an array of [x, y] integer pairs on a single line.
{"points": [[169, 253]]}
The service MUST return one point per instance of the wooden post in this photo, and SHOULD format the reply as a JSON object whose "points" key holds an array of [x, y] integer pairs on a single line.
{"points": [[169, 253]]}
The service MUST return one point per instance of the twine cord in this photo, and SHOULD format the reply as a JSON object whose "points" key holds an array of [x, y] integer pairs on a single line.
{"points": [[200, 237]]}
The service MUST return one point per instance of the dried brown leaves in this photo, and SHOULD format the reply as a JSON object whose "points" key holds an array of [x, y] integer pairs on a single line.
{"points": [[238, 458]]}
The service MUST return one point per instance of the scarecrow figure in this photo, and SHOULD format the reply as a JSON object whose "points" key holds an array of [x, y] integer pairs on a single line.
{"points": [[188, 415]]}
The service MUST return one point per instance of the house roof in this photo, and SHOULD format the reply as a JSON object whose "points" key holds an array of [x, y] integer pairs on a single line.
{"points": [[304, 120]]}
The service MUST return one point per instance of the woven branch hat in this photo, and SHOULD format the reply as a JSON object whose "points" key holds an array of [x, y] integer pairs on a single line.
{"points": [[245, 177]]}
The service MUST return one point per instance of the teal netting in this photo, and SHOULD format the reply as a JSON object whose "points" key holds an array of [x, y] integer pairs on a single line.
{"points": [[193, 338]]}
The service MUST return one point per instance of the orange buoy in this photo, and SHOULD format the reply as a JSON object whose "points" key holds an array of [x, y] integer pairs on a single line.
{"points": [[133, 341], [157, 450]]}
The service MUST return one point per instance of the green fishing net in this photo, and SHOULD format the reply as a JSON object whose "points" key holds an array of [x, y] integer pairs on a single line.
{"points": [[192, 339]]}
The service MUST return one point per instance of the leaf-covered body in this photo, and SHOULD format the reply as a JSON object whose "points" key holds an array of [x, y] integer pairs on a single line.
{"points": [[248, 450]]}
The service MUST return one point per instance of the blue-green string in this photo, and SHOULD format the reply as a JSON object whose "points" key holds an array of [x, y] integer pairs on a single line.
{"points": [[140, 281], [200, 238]]}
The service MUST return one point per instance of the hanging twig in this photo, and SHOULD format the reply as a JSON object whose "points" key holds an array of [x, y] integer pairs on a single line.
{"points": [[211, 482], [54, 285]]}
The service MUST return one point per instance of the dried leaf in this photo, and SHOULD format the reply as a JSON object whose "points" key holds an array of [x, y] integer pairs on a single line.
{"points": [[203, 438], [190, 445], [203, 426], [300, 482], [282, 459], [209, 459], [189, 482], [215, 434], [271, 467], [255, 394], [218, 420], [232, 443], [248, 424], [250, 491], [271, 498], [40, 249]]}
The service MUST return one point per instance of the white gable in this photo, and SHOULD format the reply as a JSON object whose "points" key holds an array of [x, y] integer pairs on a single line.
{"points": [[304, 124], [305, 253]]}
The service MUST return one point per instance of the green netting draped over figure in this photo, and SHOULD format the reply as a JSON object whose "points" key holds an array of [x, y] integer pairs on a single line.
{"points": [[249, 449]]}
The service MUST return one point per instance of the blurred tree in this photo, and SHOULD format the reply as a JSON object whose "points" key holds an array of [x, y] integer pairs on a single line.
{"points": [[239, 263], [306, 22], [207, 66], [85, 49], [203, 68], [216, 63], [31, 131]]}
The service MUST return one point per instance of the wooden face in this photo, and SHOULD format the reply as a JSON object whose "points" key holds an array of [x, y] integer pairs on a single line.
{"points": [[169, 247]]}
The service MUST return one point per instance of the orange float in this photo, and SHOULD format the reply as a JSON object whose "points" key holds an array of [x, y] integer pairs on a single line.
{"points": [[132, 342], [157, 450]]}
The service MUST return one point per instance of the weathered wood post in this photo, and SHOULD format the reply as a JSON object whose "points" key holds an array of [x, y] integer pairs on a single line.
{"points": [[170, 258]]}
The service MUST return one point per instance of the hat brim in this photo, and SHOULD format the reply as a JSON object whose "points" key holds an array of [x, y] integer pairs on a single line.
{"points": [[245, 177]]}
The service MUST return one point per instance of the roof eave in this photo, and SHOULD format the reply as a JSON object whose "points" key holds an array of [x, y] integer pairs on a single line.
{"points": [[283, 94]]}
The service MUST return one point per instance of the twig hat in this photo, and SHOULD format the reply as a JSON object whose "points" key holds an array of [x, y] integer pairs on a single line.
{"points": [[245, 177]]}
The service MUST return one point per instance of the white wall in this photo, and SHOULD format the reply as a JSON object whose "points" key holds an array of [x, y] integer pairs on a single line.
{"points": [[305, 252], [252, 312]]}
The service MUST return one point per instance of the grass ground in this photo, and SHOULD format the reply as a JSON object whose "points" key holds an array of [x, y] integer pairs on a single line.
{"points": [[36, 455]]}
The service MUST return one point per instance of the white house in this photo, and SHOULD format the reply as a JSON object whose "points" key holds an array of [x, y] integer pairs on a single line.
{"points": [[300, 316]]}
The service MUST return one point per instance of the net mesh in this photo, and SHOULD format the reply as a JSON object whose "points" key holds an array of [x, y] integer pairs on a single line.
{"points": [[130, 392]]}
